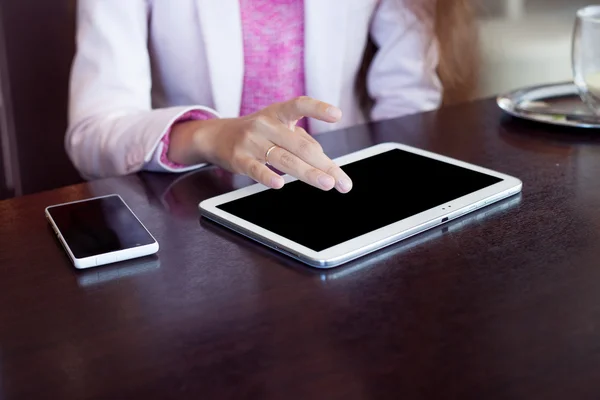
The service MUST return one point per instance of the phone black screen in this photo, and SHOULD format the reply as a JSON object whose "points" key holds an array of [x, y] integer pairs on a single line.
{"points": [[98, 226]]}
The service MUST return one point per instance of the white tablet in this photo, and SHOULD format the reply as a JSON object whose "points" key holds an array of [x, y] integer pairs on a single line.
{"points": [[398, 191]]}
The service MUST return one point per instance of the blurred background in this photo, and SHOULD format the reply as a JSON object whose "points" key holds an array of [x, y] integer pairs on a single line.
{"points": [[524, 42]]}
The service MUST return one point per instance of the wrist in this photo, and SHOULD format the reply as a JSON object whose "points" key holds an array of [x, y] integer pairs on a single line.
{"points": [[203, 138], [189, 142]]}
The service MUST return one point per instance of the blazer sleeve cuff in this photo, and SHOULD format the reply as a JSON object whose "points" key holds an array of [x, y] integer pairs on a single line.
{"points": [[157, 160]]}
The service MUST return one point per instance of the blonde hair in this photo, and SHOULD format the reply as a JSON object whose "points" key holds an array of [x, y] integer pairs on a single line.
{"points": [[456, 34]]}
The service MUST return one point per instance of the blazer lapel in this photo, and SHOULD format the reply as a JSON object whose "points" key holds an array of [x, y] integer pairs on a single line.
{"points": [[325, 37], [221, 26], [325, 41]]}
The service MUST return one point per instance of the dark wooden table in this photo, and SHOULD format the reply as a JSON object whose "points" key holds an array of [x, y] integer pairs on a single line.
{"points": [[503, 304]]}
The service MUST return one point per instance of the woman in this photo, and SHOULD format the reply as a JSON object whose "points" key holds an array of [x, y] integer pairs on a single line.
{"points": [[170, 86]]}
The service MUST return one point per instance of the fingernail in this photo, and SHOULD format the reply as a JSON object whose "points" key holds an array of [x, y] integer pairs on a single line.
{"points": [[334, 112], [326, 182], [276, 182], [345, 185]]}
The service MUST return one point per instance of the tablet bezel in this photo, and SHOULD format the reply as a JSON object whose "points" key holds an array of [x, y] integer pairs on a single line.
{"points": [[374, 240]]}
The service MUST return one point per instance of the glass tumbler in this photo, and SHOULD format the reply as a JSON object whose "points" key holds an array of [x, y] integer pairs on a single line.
{"points": [[586, 56]]}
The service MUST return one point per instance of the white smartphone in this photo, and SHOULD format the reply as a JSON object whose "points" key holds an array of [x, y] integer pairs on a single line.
{"points": [[100, 231], [399, 191]]}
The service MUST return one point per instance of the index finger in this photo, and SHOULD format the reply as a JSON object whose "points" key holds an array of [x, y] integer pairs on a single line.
{"points": [[320, 160], [300, 107], [302, 145]]}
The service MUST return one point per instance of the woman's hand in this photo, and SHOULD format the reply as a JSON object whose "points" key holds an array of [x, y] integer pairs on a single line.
{"points": [[241, 145]]}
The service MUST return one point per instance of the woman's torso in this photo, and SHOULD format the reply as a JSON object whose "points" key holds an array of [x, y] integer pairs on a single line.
{"points": [[197, 53]]}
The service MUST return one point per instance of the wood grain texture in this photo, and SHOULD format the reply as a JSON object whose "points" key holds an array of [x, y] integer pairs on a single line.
{"points": [[502, 304]]}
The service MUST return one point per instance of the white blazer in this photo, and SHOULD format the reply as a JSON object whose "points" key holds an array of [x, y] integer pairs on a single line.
{"points": [[140, 64]]}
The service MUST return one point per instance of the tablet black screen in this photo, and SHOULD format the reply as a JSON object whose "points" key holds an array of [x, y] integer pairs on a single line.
{"points": [[388, 187]]}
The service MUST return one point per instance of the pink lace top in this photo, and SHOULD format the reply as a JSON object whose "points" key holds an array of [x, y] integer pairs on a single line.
{"points": [[273, 35]]}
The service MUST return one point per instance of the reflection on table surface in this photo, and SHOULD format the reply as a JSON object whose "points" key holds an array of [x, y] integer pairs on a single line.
{"points": [[113, 272]]}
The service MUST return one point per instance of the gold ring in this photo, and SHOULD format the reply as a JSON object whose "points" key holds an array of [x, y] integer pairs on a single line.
{"points": [[269, 152]]}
